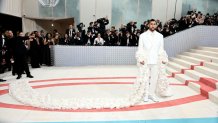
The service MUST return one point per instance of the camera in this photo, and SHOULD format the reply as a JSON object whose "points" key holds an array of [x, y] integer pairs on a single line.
{"points": [[80, 25], [101, 20]]}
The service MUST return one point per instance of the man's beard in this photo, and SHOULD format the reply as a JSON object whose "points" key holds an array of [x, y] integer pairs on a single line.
{"points": [[152, 29]]}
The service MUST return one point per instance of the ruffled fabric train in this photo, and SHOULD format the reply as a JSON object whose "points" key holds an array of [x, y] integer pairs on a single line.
{"points": [[24, 93]]}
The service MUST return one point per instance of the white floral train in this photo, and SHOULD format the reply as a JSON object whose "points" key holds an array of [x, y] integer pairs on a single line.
{"points": [[24, 93]]}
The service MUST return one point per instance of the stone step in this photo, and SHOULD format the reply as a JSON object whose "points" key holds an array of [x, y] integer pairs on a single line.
{"points": [[190, 59], [174, 81], [202, 88], [203, 78], [183, 78], [211, 65], [213, 49], [195, 75], [170, 71], [202, 57], [188, 64], [213, 96], [207, 53], [182, 62], [176, 66], [194, 86], [207, 71]]}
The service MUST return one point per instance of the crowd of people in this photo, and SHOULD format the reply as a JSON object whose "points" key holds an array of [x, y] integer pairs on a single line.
{"points": [[128, 35], [17, 51], [192, 19]]}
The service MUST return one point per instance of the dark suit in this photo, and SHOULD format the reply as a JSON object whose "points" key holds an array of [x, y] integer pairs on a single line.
{"points": [[131, 28], [34, 53], [107, 39], [6, 52], [135, 40], [93, 31], [88, 38], [103, 22], [72, 31], [41, 50], [1, 56], [71, 34], [64, 41], [127, 41], [79, 41], [111, 40], [20, 53]]}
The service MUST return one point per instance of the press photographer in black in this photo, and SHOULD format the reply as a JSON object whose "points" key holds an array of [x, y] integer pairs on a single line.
{"points": [[20, 55], [131, 27], [102, 23], [81, 29]]}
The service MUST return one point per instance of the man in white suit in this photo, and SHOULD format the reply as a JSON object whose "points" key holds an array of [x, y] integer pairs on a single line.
{"points": [[152, 43]]}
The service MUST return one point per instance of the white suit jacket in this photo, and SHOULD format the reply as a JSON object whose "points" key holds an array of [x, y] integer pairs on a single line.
{"points": [[152, 43]]}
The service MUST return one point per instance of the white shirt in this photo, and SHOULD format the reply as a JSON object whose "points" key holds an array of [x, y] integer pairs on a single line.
{"points": [[3, 40], [70, 32], [152, 43], [99, 41], [127, 44]]}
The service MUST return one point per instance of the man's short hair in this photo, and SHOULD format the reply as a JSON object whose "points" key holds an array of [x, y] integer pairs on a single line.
{"points": [[151, 20]]}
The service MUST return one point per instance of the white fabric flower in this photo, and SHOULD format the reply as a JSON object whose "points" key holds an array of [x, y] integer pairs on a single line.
{"points": [[24, 93]]}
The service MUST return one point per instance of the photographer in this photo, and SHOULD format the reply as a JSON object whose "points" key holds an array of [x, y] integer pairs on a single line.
{"points": [[102, 23], [107, 38], [135, 37], [114, 36], [123, 29], [127, 40], [174, 26], [88, 39], [81, 29], [91, 29], [131, 27], [166, 31], [144, 26], [183, 23], [78, 39], [65, 40], [97, 29]]}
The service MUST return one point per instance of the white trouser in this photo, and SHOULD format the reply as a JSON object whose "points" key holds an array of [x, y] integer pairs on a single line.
{"points": [[153, 77]]}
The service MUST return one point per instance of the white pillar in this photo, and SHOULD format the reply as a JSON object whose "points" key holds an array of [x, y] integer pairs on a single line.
{"points": [[164, 9], [87, 11], [95, 9]]}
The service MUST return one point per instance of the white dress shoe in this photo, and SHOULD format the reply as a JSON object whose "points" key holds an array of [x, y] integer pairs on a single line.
{"points": [[153, 98], [145, 99]]}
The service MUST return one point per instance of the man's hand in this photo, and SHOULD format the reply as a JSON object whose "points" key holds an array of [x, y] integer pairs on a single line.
{"points": [[142, 62], [31, 37], [163, 62]]}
